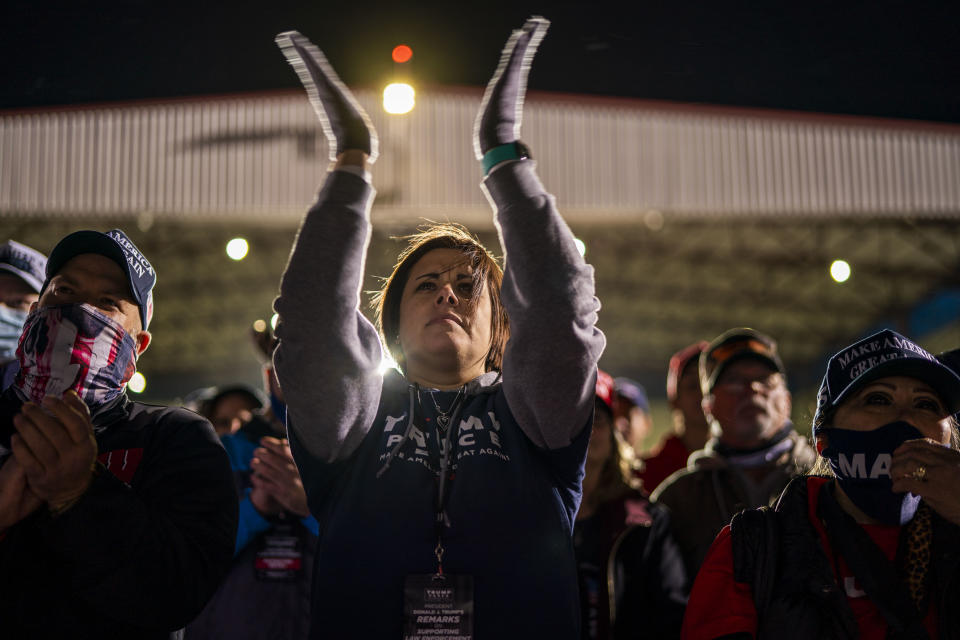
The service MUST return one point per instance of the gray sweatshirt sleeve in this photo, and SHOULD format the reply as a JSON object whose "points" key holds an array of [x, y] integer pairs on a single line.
{"points": [[329, 353], [549, 367]]}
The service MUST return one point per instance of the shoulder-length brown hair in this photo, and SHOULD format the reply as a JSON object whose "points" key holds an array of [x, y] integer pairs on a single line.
{"points": [[448, 235], [618, 476]]}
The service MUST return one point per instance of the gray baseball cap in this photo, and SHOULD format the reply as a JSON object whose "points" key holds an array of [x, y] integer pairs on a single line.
{"points": [[22, 261]]}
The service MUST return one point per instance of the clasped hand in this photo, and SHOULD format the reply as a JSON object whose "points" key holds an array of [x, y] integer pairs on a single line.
{"points": [[276, 482], [16, 499], [56, 449]]}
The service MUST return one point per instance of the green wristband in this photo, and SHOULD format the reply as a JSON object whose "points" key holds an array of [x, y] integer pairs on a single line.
{"points": [[510, 151]]}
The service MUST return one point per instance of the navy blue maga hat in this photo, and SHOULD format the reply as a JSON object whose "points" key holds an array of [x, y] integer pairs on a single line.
{"points": [[24, 262], [633, 391], [886, 353], [951, 359], [113, 244]]}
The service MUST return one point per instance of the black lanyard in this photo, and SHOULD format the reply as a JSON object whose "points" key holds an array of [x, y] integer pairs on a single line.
{"points": [[445, 480]]}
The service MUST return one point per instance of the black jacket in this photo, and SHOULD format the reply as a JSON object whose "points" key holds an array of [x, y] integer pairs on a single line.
{"points": [[779, 553], [648, 580], [249, 604], [143, 549]]}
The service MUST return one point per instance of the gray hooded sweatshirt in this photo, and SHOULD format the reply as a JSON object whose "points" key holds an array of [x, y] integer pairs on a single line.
{"points": [[369, 454]]}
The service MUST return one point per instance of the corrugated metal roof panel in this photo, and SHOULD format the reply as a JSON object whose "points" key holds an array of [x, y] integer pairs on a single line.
{"points": [[264, 156]]}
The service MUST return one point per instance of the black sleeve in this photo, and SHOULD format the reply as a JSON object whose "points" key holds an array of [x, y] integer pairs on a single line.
{"points": [[150, 554], [655, 587]]}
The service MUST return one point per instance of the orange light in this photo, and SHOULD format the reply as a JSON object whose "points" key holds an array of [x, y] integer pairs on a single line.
{"points": [[402, 53]]}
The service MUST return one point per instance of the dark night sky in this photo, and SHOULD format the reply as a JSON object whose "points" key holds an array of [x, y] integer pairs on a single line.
{"points": [[894, 59]]}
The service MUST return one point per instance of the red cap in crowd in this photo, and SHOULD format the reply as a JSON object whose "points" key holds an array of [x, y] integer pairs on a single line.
{"points": [[605, 388], [679, 362]]}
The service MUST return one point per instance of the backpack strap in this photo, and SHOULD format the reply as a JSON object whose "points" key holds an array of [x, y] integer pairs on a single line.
{"points": [[877, 575], [755, 536]]}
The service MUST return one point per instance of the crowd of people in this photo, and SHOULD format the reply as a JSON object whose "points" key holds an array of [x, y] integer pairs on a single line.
{"points": [[493, 484]]}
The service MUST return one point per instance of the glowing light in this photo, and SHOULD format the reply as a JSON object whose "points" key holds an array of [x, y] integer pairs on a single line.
{"points": [[401, 53], [137, 383], [581, 246], [386, 363], [273, 321], [237, 249], [398, 98], [145, 221], [840, 270], [259, 326], [653, 219]]}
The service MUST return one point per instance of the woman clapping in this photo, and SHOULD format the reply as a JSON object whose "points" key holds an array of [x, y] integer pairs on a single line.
{"points": [[447, 492]]}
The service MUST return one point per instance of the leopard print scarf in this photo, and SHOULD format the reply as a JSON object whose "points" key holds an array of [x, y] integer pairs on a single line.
{"points": [[914, 556]]}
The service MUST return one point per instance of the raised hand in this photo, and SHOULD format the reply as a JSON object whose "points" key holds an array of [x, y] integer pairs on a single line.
{"points": [[56, 448], [928, 469], [345, 123], [501, 110], [264, 342]]}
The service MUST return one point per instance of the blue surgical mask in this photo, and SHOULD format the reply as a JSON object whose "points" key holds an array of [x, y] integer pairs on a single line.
{"points": [[11, 326], [861, 461]]}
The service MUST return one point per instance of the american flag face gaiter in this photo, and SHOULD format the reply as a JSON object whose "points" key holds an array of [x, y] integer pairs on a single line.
{"points": [[77, 347]]}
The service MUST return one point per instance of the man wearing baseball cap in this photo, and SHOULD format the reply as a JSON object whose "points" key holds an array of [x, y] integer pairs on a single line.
{"points": [[117, 519], [753, 451], [870, 546], [690, 429], [631, 576], [631, 411], [21, 277]]}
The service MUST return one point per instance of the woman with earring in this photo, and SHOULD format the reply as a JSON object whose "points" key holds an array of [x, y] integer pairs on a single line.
{"points": [[871, 547]]}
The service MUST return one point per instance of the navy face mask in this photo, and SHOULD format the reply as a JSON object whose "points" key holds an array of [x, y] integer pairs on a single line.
{"points": [[861, 461]]}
